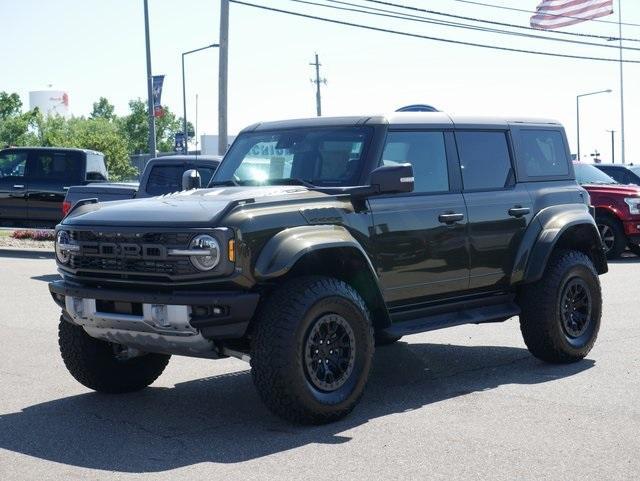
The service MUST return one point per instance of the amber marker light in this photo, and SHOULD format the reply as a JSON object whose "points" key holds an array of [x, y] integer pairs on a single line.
{"points": [[232, 250]]}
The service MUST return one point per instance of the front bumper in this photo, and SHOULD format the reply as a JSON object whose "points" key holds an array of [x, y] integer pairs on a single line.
{"points": [[632, 231], [213, 315]]}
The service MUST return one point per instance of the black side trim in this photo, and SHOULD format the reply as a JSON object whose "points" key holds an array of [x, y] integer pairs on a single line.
{"points": [[476, 315]]}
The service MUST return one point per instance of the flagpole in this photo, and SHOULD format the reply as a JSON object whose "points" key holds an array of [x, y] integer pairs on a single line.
{"points": [[621, 81]]}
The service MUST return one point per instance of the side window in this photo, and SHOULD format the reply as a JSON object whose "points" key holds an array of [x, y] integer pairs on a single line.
{"points": [[425, 151], [205, 175], [542, 154], [484, 160], [62, 166], [164, 179], [96, 169], [12, 164]]}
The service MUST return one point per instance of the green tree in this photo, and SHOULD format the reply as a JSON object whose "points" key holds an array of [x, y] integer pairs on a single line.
{"points": [[135, 128], [16, 128], [94, 134], [10, 105], [102, 109]]}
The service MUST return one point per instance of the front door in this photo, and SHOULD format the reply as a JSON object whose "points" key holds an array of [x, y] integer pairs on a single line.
{"points": [[499, 210], [51, 173], [13, 185], [420, 238]]}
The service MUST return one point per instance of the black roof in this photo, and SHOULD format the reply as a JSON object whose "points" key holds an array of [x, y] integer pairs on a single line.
{"points": [[57, 149], [186, 158]]}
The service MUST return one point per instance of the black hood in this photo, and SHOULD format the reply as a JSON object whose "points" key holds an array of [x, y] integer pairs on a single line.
{"points": [[190, 209]]}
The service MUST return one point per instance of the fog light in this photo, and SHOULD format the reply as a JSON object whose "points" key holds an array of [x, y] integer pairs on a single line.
{"points": [[159, 315], [217, 311]]}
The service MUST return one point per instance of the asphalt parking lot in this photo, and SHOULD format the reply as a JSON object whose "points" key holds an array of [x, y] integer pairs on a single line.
{"points": [[465, 403]]}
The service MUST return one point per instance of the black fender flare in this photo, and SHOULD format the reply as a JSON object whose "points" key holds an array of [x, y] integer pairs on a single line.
{"points": [[284, 250], [288, 246], [543, 234]]}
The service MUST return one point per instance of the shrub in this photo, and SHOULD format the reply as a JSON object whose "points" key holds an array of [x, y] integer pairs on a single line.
{"points": [[38, 235]]}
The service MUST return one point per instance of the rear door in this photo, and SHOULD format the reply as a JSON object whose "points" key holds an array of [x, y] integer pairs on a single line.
{"points": [[420, 238], [51, 173], [499, 209], [13, 184]]}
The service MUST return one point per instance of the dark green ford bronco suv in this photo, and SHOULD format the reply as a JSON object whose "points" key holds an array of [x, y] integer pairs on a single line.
{"points": [[318, 239]]}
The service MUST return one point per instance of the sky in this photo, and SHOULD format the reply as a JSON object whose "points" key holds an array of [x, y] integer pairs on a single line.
{"points": [[92, 48]]}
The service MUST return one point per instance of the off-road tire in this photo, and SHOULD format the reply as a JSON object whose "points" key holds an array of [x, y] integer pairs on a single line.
{"points": [[612, 227], [278, 350], [93, 363], [541, 319], [384, 339]]}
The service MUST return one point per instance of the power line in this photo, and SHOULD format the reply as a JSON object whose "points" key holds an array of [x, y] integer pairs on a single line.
{"points": [[425, 37], [514, 9], [416, 18], [492, 22]]}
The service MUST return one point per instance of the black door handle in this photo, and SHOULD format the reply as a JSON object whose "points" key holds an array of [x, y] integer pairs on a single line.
{"points": [[519, 211], [450, 218]]}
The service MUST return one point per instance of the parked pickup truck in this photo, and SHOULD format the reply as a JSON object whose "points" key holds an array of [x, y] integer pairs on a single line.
{"points": [[161, 175], [318, 238], [617, 209], [33, 181]]}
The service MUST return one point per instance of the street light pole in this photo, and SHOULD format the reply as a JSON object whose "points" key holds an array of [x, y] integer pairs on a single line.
{"points": [[223, 77], [578, 97], [622, 138], [613, 146], [184, 95], [152, 119]]}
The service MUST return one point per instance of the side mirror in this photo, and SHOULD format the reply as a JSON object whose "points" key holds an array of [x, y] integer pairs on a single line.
{"points": [[191, 180], [393, 179]]}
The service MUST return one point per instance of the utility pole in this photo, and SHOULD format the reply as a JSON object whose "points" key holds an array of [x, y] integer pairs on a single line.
{"points": [[613, 146], [318, 81], [223, 77], [152, 119], [621, 83]]}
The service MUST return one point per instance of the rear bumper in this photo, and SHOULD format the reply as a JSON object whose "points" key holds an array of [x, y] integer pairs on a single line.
{"points": [[215, 315]]}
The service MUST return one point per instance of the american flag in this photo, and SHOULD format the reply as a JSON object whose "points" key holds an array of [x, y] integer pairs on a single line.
{"points": [[552, 14]]}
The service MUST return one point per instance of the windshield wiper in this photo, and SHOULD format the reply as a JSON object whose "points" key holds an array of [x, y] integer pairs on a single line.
{"points": [[291, 181]]}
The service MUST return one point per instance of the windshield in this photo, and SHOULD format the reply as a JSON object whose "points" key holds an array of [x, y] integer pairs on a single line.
{"points": [[588, 174], [331, 157]]}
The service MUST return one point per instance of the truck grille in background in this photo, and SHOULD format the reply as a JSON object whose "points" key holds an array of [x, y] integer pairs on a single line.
{"points": [[90, 262]]}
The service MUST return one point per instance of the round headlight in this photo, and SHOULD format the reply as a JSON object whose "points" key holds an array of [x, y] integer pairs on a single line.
{"points": [[210, 255], [62, 240]]}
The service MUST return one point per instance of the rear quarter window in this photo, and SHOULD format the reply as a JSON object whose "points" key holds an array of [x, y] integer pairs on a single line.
{"points": [[485, 160], [542, 154]]}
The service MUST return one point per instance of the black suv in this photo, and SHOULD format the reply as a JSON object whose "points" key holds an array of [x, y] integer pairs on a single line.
{"points": [[318, 239], [34, 181], [623, 174]]}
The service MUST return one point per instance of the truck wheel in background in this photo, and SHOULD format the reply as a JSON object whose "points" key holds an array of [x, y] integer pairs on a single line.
{"points": [[561, 312], [612, 235], [312, 350], [96, 364]]}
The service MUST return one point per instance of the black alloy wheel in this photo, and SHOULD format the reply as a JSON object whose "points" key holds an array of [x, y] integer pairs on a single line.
{"points": [[330, 352], [575, 308]]}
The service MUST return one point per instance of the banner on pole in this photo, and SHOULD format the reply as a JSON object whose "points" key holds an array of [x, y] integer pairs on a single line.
{"points": [[158, 80]]}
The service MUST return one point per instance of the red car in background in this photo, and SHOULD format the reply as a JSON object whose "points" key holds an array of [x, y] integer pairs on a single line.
{"points": [[617, 209]]}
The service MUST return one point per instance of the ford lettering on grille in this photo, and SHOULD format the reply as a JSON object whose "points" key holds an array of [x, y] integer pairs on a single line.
{"points": [[123, 250]]}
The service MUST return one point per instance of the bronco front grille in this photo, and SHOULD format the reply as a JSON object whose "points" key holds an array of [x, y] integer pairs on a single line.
{"points": [[127, 253]]}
